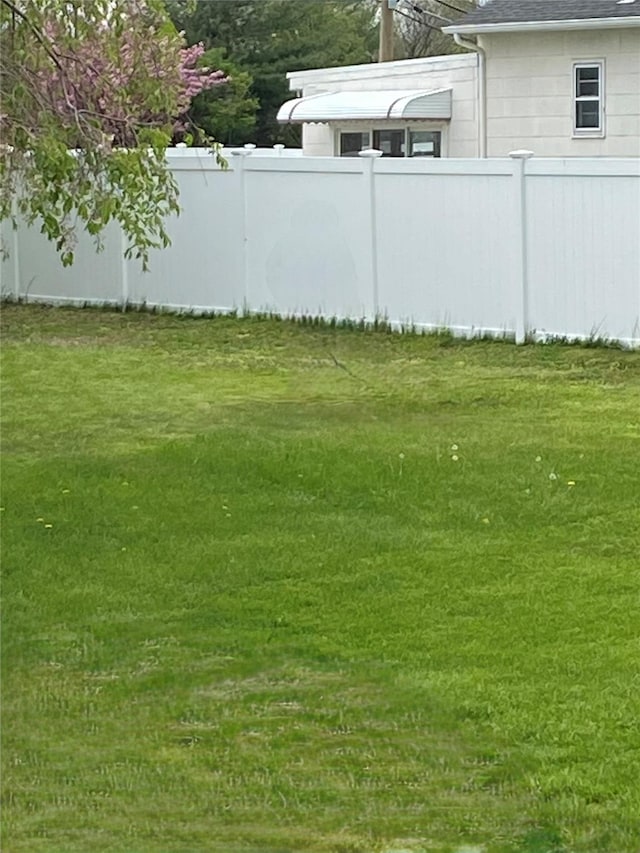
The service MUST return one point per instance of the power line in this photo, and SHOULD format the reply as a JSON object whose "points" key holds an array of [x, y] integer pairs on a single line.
{"points": [[415, 20], [421, 11], [453, 8], [440, 3]]}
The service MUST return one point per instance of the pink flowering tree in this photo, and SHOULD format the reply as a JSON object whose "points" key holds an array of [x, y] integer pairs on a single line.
{"points": [[92, 93]]}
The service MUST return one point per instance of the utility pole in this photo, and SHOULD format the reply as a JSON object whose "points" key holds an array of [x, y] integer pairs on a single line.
{"points": [[385, 51]]}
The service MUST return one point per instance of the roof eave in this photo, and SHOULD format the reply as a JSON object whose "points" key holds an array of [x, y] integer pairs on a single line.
{"points": [[533, 26], [298, 79]]}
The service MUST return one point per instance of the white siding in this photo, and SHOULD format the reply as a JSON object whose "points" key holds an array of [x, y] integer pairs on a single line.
{"points": [[317, 140], [530, 92], [458, 72]]}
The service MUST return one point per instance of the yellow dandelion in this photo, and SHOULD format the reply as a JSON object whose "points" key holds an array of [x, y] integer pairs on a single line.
{"points": [[48, 526], [66, 491], [454, 458], [485, 521], [571, 482], [40, 520]]}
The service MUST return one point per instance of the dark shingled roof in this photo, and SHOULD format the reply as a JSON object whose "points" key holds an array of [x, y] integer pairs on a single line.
{"points": [[519, 11]]}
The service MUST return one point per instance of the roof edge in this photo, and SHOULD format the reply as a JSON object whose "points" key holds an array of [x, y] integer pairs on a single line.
{"points": [[533, 26], [382, 68]]}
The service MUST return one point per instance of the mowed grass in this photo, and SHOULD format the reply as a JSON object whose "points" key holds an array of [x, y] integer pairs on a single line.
{"points": [[270, 587]]}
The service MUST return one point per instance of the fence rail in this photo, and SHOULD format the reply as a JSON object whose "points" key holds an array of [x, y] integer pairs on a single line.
{"points": [[518, 247]]}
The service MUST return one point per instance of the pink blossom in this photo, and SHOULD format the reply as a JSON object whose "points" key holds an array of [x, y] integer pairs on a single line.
{"points": [[150, 79]]}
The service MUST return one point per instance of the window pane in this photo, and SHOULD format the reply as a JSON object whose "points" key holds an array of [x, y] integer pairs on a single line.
{"points": [[588, 89], [390, 142], [352, 143], [591, 72], [424, 143], [588, 82], [588, 114]]}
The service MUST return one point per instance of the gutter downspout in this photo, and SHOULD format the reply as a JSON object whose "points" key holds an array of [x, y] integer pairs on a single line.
{"points": [[482, 90]]}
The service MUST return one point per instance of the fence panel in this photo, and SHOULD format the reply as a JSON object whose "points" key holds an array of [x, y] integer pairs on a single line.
{"points": [[202, 268], [446, 243], [9, 271], [93, 278], [436, 244], [584, 248], [308, 238]]}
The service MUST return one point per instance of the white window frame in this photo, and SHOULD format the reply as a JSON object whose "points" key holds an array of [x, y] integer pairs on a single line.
{"points": [[365, 127], [593, 132]]}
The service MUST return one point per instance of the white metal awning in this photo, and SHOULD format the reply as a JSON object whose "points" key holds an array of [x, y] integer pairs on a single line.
{"points": [[354, 106]]}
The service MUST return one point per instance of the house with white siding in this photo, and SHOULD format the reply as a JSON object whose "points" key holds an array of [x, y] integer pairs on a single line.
{"points": [[560, 77]]}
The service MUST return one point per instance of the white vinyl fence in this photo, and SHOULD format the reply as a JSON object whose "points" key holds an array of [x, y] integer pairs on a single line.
{"points": [[515, 246]]}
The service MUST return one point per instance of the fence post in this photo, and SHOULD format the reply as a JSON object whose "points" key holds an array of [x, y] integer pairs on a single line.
{"points": [[520, 158], [240, 154], [124, 270], [370, 155], [16, 250]]}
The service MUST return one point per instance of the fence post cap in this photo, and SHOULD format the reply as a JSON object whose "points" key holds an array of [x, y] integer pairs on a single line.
{"points": [[370, 152], [240, 152], [521, 154]]}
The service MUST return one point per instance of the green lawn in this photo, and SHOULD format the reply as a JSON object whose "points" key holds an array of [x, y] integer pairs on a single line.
{"points": [[272, 587]]}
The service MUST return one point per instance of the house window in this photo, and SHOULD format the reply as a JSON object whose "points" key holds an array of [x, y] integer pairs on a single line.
{"points": [[352, 143], [588, 92], [393, 142], [424, 143], [390, 142]]}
